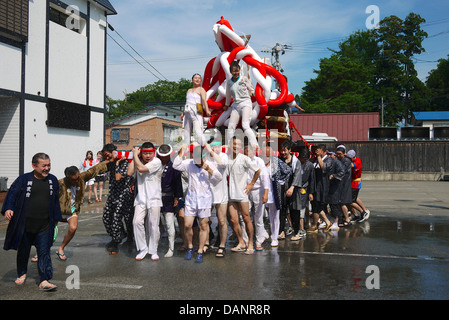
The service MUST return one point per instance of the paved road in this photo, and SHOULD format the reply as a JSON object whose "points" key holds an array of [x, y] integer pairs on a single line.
{"points": [[401, 252]]}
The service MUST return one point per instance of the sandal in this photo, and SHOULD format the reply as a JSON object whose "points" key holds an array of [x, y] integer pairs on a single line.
{"points": [[249, 251], [296, 237], [61, 257], [259, 247], [312, 230], [205, 248], [222, 253], [47, 286], [34, 259], [21, 280], [238, 248], [89, 201], [344, 224]]}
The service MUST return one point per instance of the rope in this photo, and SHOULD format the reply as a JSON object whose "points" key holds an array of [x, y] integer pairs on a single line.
{"points": [[292, 126]]}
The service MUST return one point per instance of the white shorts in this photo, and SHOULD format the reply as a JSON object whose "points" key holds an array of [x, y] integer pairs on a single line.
{"points": [[200, 213]]}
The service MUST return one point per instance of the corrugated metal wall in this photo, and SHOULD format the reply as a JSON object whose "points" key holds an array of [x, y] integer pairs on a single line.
{"points": [[343, 126]]}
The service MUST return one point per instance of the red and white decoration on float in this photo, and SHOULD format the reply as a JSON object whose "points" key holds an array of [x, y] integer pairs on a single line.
{"points": [[216, 74]]}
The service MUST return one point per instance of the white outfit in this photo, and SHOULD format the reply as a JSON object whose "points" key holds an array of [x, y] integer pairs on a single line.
{"points": [[192, 119], [86, 165], [273, 212], [198, 200], [255, 201], [242, 107], [148, 202], [238, 177], [220, 190]]}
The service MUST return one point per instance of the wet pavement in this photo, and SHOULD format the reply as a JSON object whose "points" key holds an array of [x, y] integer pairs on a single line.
{"points": [[401, 252]]}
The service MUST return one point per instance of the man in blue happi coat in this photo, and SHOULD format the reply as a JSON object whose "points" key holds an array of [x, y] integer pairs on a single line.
{"points": [[32, 208]]}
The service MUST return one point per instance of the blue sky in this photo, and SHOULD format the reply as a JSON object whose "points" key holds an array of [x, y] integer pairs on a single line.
{"points": [[176, 37]]}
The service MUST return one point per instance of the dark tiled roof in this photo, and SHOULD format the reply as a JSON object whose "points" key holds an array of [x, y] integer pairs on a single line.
{"points": [[107, 5]]}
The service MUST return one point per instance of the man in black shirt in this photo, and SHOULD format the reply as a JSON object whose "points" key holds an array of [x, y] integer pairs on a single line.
{"points": [[37, 216]]}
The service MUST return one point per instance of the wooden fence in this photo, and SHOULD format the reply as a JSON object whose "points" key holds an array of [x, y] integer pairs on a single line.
{"points": [[399, 156]]}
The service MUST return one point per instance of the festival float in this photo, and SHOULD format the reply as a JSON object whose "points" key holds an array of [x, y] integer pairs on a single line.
{"points": [[268, 105]]}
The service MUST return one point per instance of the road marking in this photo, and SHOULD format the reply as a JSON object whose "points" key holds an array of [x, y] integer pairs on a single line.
{"points": [[97, 284], [108, 285], [370, 255]]}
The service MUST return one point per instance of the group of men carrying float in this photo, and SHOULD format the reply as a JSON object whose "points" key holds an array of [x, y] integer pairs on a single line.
{"points": [[230, 183]]}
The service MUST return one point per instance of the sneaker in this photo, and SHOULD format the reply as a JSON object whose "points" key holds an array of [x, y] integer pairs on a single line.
{"points": [[113, 247], [365, 216], [189, 254], [356, 218], [169, 254], [107, 245], [289, 231], [154, 257], [302, 233], [141, 255], [274, 243], [199, 258]]}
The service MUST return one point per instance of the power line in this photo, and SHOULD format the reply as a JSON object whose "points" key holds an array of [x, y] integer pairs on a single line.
{"points": [[132, 56], [436, 22], [167, 59], [113, 29]]}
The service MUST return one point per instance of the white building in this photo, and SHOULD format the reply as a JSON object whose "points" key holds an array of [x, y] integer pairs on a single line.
{"points": [[52, 81]]}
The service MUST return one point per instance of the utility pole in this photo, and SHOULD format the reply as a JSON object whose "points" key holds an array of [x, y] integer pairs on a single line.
{"points": [[382, 111], [278, 48]]}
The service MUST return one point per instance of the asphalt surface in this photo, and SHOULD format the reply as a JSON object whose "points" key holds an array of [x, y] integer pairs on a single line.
{"points": [[399, 253]]}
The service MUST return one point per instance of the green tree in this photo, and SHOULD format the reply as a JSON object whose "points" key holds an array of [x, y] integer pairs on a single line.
{"points": [[370, 65], [438, 84], [345, 81], [160, 91], [397, 82]]}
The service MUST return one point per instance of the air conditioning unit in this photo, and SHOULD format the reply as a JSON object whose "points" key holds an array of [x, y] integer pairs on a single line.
{"points": [[415, 133], [383, 133], [441, 133]]}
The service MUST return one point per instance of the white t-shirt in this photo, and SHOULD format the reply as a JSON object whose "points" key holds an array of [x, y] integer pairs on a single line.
{"points": [[199, 191], [220, 190], [264, 179], [269, 172], [239, 90], [149, 185], [238, 177]]}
